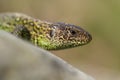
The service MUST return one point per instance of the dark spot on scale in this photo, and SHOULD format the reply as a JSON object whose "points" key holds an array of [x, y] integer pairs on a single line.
{"points": [[9, 23]]}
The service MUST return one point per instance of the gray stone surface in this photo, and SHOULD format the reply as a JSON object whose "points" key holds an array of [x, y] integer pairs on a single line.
{"points": [[20, 60]]}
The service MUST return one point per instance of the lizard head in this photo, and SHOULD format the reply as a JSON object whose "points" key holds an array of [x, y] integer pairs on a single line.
{"points": [[62, 36]]}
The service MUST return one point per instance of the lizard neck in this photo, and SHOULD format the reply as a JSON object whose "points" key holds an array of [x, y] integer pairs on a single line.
{"points": [[25, 27]]}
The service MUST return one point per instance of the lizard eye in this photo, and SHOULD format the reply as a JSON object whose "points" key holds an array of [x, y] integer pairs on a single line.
{"points": [[73, 32]]}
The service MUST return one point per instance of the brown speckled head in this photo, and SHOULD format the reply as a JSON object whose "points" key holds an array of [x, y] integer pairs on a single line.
{"points": [[67, 35]]}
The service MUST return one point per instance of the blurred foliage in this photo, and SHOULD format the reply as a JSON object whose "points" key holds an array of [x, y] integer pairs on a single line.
{"points": [[99, 17]]}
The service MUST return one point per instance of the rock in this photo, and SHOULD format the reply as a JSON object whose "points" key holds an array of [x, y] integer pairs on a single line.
{"points": [[20, 60]]}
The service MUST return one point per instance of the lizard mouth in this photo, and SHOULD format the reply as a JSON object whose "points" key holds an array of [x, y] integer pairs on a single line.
{"points": [[89, 37]]}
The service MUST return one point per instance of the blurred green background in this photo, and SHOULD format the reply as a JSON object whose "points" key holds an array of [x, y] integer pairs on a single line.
{"points": [[101, 18]]}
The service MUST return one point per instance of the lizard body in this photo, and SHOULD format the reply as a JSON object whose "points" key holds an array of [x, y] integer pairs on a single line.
{"points": [[47, 35]]}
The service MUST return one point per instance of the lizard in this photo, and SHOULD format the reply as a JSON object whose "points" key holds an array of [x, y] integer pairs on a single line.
{"points": [[44, 34]]}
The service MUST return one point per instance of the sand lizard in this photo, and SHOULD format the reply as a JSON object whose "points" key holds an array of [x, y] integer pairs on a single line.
{"points": [[47, 35]]}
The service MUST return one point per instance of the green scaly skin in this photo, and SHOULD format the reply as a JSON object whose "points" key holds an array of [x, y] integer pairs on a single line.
{"points": [[47, 35]]}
